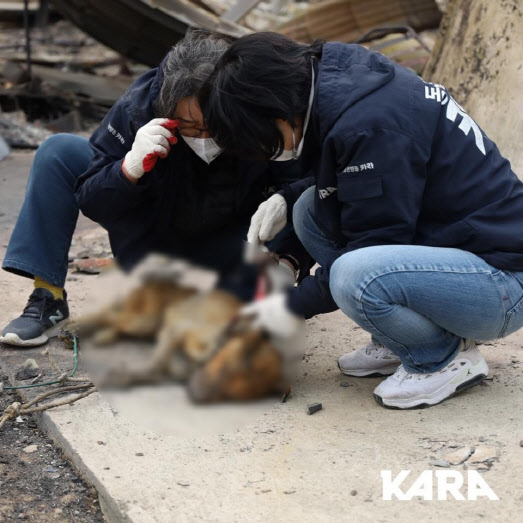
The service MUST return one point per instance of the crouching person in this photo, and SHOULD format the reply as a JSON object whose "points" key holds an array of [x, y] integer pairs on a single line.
{"points": [[413, 214], [154, 178]]}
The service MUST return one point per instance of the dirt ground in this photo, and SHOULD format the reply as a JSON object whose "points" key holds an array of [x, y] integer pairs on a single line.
{"points": [[39, 486], [37, 483]]}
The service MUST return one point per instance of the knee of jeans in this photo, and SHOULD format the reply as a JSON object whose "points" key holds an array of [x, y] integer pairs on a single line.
{"points": [[60, 147], [347, 278], [302, 211]]}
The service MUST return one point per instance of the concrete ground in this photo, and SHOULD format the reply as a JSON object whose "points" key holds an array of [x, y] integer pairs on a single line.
{"points": [[286, 465]]}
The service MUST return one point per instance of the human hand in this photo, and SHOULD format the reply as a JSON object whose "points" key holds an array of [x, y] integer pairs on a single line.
{"points": [[152, 141], [269, 219]]}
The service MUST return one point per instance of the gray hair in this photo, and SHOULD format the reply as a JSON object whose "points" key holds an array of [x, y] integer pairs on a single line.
{"points": [[187, 66]]}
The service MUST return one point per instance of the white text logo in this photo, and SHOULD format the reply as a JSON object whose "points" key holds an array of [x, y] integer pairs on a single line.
{"points": [[438, 93], [115, 133], [447, 485], [326, 192], [358, 168]]}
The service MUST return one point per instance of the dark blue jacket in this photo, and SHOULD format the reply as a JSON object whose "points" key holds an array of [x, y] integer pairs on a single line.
{"points": [[181, 194], [397, 161]]}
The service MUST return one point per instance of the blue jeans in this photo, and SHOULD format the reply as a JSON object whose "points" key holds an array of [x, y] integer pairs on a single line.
{"points": [[40, 242], [418, 301]]}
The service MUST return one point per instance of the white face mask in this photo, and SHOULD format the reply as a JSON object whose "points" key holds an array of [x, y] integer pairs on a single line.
{"points": [[295, 152], [287, 154], [206, 148]]}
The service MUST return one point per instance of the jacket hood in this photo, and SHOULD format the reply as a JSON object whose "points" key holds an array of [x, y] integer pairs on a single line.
{"points": [[347, 73]]}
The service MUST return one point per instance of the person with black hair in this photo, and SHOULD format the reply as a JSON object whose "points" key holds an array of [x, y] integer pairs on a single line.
{"points": [[153, 177], [410, 209]]}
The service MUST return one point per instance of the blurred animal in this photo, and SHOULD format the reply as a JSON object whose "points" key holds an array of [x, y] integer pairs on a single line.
{"points": [[139, 315], [198, 339]]}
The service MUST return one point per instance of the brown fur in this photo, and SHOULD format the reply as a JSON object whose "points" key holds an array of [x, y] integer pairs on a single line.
{"points": [[188, 328], [245, 368], [140, 315]]}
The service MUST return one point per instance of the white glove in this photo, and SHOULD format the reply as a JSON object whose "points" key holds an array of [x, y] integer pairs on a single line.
{"points": [[268, 220], [273, 315], [152, 141]]}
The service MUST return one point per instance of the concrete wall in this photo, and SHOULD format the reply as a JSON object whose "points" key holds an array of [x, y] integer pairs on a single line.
{"points": [[479, 57]]}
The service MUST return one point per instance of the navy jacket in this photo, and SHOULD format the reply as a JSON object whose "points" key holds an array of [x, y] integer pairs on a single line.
{"points": [[397, 161], [182, 194]]}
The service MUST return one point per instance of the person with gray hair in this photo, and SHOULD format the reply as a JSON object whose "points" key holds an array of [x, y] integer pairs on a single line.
{"points": [[153, 178]]}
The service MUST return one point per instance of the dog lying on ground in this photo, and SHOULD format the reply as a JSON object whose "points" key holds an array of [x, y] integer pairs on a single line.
{"points": [[198, 338]]}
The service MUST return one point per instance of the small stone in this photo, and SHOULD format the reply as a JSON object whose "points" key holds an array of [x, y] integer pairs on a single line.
{"points": [[139, 454], [54, 475], [183, 484], [483, 467], [344, 384], [312, 408], [289, 491], [30, 449], [28, 370], [484, 453], [264, 491], [50, 469], [458, 456], [481, 438], [440, 463], [353, 492], [100, 442], [452, 445]]}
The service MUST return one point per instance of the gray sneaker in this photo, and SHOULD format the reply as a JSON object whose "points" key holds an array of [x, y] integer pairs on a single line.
{"points": [[43, 317], [406, 390], [372, 360]]}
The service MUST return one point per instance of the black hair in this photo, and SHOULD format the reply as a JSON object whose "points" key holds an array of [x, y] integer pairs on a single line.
{"points": [[261, 77]]}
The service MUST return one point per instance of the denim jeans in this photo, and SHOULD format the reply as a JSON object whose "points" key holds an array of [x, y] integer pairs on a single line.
{"points": [[41, 239], [416, 300], [39, 244]]}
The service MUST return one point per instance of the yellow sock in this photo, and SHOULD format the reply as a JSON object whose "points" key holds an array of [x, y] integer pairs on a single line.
{"points": [[57, 292]]}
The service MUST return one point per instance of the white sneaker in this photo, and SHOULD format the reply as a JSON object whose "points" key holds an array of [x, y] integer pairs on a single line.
{"points": [[372, 360], [404, 390]]}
